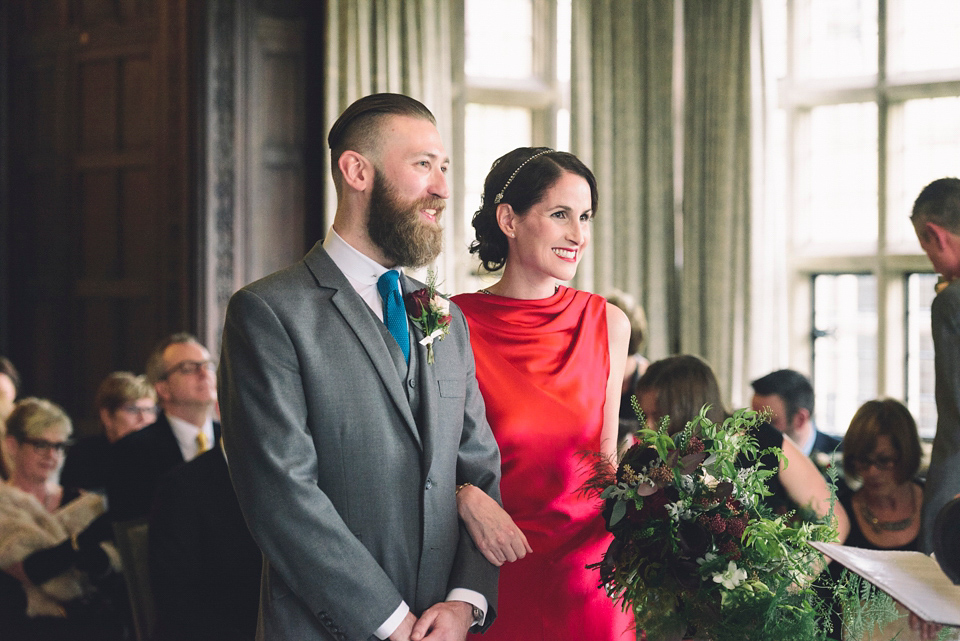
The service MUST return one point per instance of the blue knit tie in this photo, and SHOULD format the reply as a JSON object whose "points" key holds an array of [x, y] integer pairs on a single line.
{"points": [[394, 316]]}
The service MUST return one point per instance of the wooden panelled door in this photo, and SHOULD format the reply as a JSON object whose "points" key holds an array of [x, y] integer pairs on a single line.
{"points": [[99, 230]]}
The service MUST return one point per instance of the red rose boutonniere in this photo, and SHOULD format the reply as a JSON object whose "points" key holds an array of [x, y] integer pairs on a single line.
{"points": [[430, 312]]}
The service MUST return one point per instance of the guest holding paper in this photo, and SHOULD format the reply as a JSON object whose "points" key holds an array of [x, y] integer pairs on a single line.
{"points": [[550, 363], [882, 449]]}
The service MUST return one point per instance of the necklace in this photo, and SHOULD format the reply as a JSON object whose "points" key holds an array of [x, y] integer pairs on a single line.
{"points": [[879, 526], [556, 288]]}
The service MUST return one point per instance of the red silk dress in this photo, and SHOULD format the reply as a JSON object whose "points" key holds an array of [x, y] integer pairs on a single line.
{"points": [[543, 366]]}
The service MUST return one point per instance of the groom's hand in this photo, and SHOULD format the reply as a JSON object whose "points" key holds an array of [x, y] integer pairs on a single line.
{"points": [[402, 633], [446, 621]]}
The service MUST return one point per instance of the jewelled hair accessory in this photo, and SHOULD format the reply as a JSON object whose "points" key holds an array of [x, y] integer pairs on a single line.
{"points": [[499, 197]]}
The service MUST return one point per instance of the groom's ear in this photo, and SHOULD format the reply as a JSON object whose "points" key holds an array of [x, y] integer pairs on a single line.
{"points": [[356, 169], [507, 219]]}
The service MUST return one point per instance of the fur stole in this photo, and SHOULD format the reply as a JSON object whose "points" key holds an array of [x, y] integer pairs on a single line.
{"points": [[26, 527]]}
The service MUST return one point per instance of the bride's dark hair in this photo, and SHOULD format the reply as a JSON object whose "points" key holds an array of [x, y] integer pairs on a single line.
{"points": [[520, 178]]}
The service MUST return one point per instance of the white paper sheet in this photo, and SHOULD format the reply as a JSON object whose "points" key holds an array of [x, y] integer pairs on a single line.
{"points": [[912, 578]]}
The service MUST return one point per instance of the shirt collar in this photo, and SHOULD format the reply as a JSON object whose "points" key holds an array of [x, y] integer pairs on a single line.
{"points": [[186, 434], [360, 269], [807, 447]]}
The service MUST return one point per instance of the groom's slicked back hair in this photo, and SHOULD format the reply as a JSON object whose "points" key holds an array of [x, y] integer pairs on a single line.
{"points": [[358, 127]]}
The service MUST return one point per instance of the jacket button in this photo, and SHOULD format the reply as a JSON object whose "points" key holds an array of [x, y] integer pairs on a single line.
{"points": [[412, 383], [429, 484]]}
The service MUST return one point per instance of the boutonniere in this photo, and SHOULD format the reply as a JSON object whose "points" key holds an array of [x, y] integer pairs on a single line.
{"points": [[430, 312]]}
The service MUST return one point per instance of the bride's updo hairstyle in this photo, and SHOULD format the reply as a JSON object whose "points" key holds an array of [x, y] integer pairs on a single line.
{"points": [[520, 178]]}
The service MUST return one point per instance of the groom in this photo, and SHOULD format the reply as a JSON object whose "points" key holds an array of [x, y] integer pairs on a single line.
{"points": [[345, 445]]}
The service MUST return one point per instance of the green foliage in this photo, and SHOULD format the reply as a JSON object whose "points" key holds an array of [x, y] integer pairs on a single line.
{"points": [[695, 550], [866, 608]]}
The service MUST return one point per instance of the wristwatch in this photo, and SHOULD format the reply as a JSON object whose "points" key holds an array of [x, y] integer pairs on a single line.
{"points": [[477, 616]]}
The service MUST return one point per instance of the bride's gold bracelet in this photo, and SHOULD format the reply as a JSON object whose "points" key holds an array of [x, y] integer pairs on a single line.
{"points": [[461, 486]]}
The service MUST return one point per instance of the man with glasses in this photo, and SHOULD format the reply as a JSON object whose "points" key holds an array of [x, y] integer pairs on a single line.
{"points": [[183, 375]]}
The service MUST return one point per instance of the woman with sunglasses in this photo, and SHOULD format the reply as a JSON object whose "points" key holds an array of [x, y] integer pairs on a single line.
{"points": [[57, 580], [882, 449]]}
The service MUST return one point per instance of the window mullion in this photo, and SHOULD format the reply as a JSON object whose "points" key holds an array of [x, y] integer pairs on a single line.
{"points": [[882, 274]]}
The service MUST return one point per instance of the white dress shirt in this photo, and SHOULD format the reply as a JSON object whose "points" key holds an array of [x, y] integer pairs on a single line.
{"points": [[186, 435], [363, 273]]}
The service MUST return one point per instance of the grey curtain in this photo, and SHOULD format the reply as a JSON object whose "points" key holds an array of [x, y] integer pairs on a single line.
{"points": [[715, 281], [623, 128], [401, 46], [674, 221]]}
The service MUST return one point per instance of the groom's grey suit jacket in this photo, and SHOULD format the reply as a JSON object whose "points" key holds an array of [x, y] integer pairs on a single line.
{"points": [[350, 496]]}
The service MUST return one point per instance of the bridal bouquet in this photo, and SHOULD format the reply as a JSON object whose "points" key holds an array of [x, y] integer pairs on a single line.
{"points": [[695, 552]]}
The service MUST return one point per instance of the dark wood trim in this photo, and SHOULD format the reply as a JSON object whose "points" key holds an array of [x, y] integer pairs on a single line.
{"points": [[217, 195], [315, 133], [4, 174]]}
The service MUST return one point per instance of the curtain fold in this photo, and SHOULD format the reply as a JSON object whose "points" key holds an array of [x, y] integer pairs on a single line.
{"points": [[622, 127], [400, 46], [715, 281], [673, 227]]}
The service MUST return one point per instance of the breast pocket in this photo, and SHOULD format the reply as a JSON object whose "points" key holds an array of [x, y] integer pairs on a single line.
{"points": [[452, 388]]}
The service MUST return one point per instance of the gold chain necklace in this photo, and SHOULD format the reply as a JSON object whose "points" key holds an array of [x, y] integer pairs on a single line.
{"points": [[879, 526]]}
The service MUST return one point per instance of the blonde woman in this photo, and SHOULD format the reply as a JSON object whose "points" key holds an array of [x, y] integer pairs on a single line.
{"points": [[57, 581]]}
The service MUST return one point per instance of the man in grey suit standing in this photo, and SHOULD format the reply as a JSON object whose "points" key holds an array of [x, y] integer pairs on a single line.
{"points": [[936, 219], [345, 444]]}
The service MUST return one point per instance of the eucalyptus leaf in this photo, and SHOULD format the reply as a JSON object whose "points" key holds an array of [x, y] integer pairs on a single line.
{"points": [[618, 512]]}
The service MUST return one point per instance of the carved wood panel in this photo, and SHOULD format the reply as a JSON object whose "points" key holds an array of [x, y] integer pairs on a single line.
{"points": [[99, 185]]}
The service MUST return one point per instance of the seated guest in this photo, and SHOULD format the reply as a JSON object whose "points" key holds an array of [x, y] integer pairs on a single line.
{"points": [[9, 387], [680, 385], [882, 450], [58, 580], [183, 376], [204, 565], [636, 363], [125, 403], [788, 395]]}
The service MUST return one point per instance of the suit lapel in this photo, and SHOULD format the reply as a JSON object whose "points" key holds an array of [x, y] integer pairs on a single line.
{"points": [[168, 442], [365, 326], [427, 380]]}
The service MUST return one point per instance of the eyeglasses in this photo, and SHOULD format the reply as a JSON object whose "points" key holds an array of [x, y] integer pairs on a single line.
{"points": [[140, 411], [43, 445], [882, 463], [190, 367]]}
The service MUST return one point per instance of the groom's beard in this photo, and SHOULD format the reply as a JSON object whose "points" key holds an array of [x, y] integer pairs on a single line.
{"points": [[395, 226]]}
